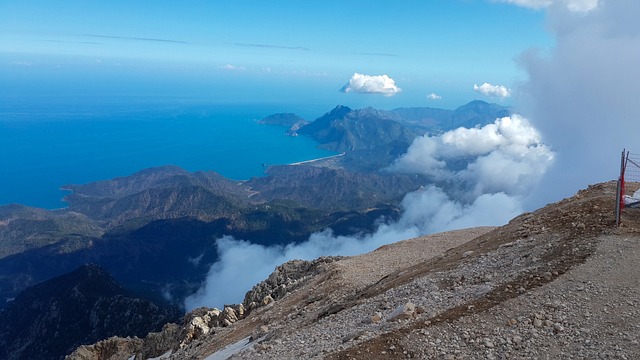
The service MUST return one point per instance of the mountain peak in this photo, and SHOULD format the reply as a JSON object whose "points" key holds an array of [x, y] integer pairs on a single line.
{"points": [[479, 106], [339, 111]]}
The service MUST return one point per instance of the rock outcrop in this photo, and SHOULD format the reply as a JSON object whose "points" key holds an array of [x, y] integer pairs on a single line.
{"points": [[286, 278]]}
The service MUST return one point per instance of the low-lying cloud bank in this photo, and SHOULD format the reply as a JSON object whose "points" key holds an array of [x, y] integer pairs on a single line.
{"points": [[479, 175], [371, 84]]}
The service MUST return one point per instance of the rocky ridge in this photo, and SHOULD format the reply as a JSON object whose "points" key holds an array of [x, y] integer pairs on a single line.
{"points": [[561, 282]]}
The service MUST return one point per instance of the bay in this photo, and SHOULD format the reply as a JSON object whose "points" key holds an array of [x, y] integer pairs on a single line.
{"points": [[51, 144]]}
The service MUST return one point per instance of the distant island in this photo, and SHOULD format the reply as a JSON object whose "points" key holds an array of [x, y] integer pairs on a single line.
{"points": [[290, 120]]}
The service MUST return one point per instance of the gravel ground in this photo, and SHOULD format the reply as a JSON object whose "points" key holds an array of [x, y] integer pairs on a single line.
{"points": [[590, 312]]}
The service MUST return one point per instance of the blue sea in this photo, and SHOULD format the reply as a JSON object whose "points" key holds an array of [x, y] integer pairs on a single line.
{"points": [[47, 143]]}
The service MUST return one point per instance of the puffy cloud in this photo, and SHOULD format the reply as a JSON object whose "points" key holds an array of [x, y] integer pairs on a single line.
{"points": [[573, 5], [507, 156], [583, 95], [502, 159], [492, 90], [371, 84], [434, 96]]}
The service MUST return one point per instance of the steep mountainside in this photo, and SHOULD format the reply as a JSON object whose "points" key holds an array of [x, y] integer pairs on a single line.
{"points": [[560, 282], [51, 319], [158, 193], [23, 228], [321, 187]]}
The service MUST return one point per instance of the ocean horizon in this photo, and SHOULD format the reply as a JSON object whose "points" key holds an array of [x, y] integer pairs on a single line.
{"points": [[52, 144]]}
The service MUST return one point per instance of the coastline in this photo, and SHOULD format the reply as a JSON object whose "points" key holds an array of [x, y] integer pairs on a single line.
{"points": [[317, 159]]}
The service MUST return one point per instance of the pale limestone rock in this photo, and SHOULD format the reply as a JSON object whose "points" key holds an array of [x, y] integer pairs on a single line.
{"points": [[403, 312], [376, 318], [267, 300], [228, 316]]}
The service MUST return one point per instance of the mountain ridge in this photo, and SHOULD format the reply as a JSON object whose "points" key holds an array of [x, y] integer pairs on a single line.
{"points": [[52, 318]]}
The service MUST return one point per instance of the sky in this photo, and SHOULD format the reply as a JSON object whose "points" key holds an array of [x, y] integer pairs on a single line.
{"points": [[435, 52]]}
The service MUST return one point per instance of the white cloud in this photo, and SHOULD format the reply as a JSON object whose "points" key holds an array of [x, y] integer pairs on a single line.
{"points": [[233, 67], [371, 84], [505, 159], [492, 90], [573, 5], [434, 96]]}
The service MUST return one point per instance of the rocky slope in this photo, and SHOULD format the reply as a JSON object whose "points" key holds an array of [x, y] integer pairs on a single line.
{"points": [[561, 282]]}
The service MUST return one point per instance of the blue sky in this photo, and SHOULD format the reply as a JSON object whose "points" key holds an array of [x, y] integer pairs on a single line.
{"points": [[259, 51]]}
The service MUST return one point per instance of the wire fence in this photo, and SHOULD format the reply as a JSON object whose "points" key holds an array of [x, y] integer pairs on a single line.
{"points": [[628, 194], [632, 168]]}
